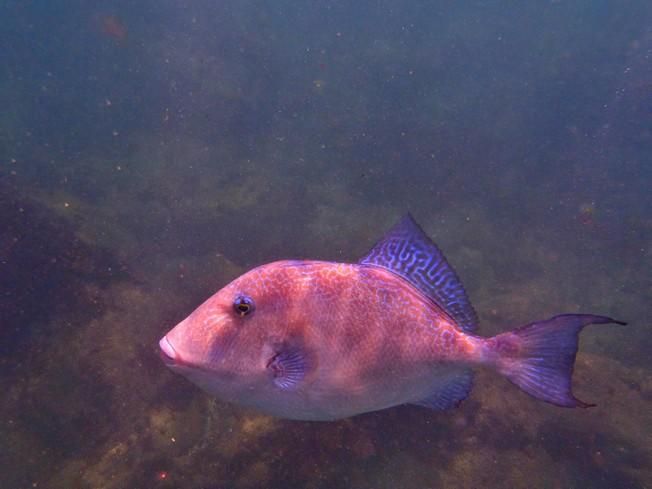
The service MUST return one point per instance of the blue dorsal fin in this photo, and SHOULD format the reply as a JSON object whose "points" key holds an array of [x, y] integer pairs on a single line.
{"points": [[408, 252]]}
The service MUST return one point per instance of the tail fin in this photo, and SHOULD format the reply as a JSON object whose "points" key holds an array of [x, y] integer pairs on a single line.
{"points": [[539, 357]]}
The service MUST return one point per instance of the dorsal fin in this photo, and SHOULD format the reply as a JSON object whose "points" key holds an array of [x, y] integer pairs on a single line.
{"points": [[408, 252]]}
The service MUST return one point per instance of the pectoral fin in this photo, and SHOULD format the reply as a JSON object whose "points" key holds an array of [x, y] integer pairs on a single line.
{"points": [[288, 367]]}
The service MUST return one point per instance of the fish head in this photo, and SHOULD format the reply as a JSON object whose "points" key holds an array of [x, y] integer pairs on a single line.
{"points": [[230, 345]]}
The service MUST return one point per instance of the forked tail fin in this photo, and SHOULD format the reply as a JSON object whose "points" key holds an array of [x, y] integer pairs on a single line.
{"points": [[539, 357]]}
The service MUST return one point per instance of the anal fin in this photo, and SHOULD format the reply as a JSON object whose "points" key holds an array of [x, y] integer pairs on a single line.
{"points": [[450, 391]]}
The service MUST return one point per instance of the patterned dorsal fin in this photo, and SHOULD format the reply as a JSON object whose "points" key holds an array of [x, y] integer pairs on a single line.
{"points": [[408, 252]]}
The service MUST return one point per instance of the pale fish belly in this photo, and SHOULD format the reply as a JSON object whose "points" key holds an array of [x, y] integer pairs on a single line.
{"points": [[389, 391]]}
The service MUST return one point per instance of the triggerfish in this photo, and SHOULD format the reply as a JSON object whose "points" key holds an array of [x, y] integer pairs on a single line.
{"points": [[317, 340]]}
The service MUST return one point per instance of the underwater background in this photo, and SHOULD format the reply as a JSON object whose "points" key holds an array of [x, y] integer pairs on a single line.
{"points": [[152, 151]]}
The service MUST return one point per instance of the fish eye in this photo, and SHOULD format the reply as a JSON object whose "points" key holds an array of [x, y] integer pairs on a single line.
{"points": [[243, 305]]}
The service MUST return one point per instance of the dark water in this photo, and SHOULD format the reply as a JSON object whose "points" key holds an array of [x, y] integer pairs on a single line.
{"points": [[152, 151]]}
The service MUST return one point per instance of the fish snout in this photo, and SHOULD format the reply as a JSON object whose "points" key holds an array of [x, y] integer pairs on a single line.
{"points": [[168, 353]]}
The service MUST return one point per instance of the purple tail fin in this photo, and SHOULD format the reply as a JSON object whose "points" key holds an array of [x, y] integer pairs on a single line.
{"points": [[539, 357]]}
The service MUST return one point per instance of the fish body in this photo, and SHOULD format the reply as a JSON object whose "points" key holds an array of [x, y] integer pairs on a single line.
{"points": [[318, 340]]}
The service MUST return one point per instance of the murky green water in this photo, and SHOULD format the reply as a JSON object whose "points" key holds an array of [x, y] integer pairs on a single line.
{"points": [[151, 153]]}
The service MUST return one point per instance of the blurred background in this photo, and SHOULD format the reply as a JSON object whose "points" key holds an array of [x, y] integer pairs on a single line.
{"points": [[150, 152]]}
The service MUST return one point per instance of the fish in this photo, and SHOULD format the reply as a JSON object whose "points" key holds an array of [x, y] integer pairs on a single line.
{"points": [[321, 341]]}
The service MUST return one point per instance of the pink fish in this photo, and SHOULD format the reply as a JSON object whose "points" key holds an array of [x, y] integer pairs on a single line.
{"points": [[319, 340]]}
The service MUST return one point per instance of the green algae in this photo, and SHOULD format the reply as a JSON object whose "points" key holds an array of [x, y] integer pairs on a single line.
{"points": [[127, 420]]}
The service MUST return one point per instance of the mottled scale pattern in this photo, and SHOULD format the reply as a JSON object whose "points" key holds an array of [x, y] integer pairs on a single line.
{"points": [[407, 251], [325, 340], [369, 339], [371, 336]]}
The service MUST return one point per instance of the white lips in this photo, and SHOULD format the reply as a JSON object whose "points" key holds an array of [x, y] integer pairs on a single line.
{"points": [[167, 347]]}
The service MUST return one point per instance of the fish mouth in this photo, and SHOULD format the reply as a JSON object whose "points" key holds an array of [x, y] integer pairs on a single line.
{"points": [[168, 353]]}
